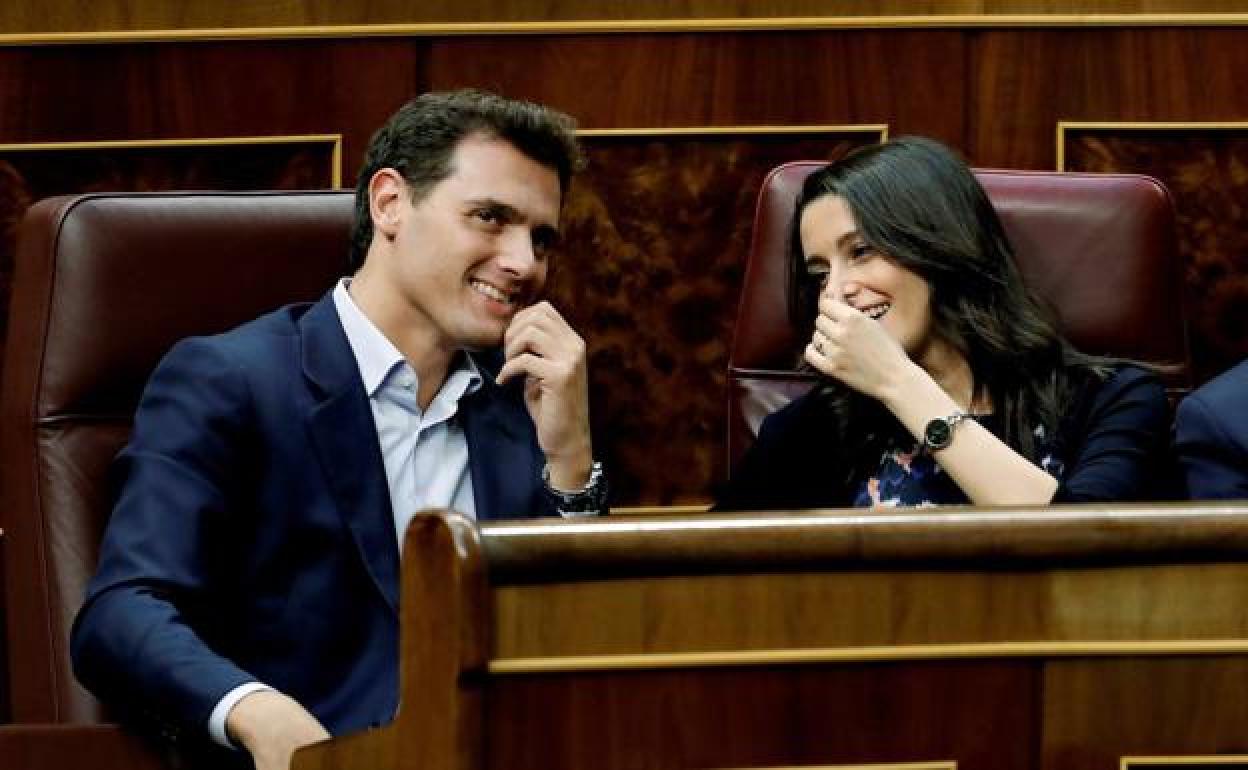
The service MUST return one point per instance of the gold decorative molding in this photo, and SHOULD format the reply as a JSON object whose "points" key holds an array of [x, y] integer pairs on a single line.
{"points": [[335, 140], [913, 652], [695, 131], [659, 510], [624, 26], [1129, 763], [1065, 126], [939, 765]]}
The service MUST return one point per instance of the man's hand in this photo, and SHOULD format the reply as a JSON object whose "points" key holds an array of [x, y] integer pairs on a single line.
{"points": [[271, 726], [540, 345]]}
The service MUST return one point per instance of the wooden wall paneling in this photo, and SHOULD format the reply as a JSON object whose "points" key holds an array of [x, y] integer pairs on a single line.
{"points": [[122, 15], [1075, 611], [907, 79], [5, 710], [158, 91], [1205, 166], [1098, 711], [982, 716], [1023, 82]]}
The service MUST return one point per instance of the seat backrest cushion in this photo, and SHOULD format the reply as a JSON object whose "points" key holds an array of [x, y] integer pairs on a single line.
{"points": [[104, 285]]}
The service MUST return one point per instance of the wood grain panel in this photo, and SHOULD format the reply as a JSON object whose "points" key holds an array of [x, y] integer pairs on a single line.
{"points": [[213, 89], [1206, 170], [108, 15], [1096, 712], [1024, 82], [906, 79], [5, 710], [772, 612], [981, 716]]}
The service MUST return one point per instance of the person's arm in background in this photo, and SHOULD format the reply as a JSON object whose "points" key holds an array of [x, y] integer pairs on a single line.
{"points": [[139, 640], [1213, 462]]}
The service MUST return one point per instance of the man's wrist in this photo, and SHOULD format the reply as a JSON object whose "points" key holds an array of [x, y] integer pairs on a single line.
{"points": [[569, 473], [590, 498], [221, 712]]}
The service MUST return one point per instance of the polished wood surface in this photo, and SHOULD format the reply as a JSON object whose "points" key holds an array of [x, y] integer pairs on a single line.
{"points": [[94, 747], [996, 603], [5, 706], [112, 15]]}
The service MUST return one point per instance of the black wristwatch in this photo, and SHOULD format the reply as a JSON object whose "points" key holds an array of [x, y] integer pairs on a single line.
{"points": [[939, 432]]}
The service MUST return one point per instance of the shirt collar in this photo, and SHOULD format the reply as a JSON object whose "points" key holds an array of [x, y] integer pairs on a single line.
{"points": [[377, 357]]}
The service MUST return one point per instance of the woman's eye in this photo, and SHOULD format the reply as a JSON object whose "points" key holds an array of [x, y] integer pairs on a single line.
{"points": [[859, 252]]}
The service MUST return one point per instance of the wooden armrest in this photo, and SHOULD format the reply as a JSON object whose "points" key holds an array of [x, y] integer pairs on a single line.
{"points": [[88, 747]]}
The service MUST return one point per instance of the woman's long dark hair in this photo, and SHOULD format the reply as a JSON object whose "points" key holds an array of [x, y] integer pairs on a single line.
{"points": [[917, 203]]}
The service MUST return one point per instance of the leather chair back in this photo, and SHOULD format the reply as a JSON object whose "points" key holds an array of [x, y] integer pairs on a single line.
{"points": [[1100, 248], [104, 284]]}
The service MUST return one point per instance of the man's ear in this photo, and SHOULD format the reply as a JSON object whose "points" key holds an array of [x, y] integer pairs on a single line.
{"points": [[386, 194]]}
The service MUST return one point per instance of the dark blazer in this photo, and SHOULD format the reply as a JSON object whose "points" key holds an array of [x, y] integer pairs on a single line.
{"points": [[1211, 437], [1112, 445], [253, 536]]}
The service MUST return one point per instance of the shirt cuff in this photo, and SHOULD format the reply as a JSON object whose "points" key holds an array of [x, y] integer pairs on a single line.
{"points": [[216, 720]]}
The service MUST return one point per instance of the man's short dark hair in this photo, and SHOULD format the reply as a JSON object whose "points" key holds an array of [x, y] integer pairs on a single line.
{"points": [[419, 140]]}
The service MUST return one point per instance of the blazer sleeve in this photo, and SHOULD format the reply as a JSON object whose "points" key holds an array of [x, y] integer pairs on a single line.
{"points": [[776, 473], [1123, 451], [141, 642], [1214, 464]]}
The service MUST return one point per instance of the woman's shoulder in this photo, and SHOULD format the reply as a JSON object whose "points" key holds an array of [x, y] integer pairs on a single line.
{"points": [[1130, 379], [1126, 389]]}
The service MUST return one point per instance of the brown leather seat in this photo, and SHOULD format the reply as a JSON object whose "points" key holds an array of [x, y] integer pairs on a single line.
{"points": [[104, 285], [1101, 248]]}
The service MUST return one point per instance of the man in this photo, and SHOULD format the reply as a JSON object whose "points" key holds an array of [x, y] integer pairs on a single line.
{"points": [[248, 578], [1211, 437]]}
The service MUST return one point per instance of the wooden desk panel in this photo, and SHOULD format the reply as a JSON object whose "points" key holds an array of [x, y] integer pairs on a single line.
{"points": [[982, 716]]}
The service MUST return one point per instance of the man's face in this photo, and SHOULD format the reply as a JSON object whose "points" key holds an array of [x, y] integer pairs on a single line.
{"points": [[474, 250]]}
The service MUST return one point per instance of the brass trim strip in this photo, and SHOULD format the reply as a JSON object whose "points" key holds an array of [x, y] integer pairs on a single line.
{"points": [[945, 765], [1137, 125], [1126, 763], [862, 128], [335, 140], [618, 26], [658, 510], [685, 660]]}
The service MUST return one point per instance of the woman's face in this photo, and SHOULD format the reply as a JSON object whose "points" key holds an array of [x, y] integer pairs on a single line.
{"points": [[899, 299]]}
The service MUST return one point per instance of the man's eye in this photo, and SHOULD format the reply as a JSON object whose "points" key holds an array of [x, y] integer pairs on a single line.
{"points": [[489, 215], [817, 272]]}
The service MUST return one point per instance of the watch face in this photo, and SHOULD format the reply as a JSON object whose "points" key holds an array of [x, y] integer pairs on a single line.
{"points": [[937, 434]]}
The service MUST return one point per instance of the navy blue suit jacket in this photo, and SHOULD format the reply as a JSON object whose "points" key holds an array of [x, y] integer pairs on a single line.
{"points": [[253, 536], [1211, 437]]}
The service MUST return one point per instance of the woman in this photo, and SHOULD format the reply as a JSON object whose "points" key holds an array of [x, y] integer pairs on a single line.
{"points": [[942, 381]]}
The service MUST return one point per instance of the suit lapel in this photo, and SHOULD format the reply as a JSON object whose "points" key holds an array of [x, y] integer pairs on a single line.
{"points": [[345, 441], [500, 449]]}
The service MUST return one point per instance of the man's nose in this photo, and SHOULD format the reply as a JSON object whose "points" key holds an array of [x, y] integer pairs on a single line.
{"points": [[517, 255]]}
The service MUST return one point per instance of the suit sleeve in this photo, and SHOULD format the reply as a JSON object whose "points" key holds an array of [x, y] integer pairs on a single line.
{"points": [[142, 641], [1214, 464], [1123, 454]]}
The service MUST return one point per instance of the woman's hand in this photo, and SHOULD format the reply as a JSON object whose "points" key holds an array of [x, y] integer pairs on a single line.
{"points": [[855, 349]]}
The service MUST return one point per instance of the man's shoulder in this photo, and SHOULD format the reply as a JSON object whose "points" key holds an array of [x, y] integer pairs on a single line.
{"points": [[259, 337], [1228, 391]]}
